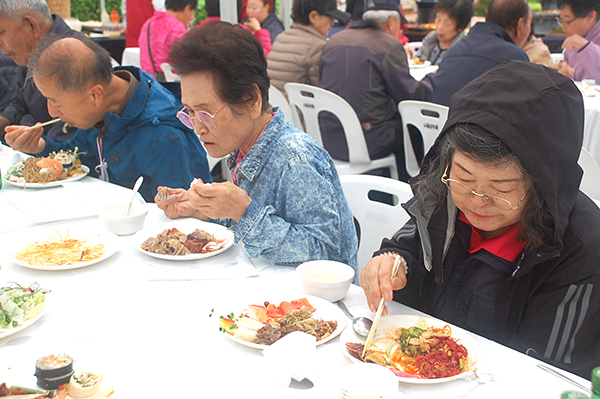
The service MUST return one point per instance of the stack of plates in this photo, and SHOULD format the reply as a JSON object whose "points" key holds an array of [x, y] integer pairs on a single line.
{"points": [[367, 381]]}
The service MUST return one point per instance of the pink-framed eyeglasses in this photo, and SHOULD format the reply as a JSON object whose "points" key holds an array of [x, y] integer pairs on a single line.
{"points": [[201, 116]]}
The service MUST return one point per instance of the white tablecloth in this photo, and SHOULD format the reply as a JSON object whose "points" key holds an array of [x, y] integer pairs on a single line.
{"points": [[151, 327], [591, 135]]}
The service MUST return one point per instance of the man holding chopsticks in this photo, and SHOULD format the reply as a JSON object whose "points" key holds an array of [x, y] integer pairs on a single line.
{"points": [[23, 24]]}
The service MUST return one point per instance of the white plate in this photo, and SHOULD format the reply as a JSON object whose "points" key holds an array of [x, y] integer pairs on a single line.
{"points": [[186, 226], [52, 183], [425, 64], [325, 311], [462, 336], [109, 250], [28, 323]]}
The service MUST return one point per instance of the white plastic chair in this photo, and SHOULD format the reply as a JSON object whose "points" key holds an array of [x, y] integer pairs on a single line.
{"points": [[131, 56], [170, 76], [311, 101], [590, 182], [376, 220], [429, 119], [276, 98]]}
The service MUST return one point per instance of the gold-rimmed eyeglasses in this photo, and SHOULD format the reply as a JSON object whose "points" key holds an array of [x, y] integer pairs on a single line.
{"points": [[462, 189]]}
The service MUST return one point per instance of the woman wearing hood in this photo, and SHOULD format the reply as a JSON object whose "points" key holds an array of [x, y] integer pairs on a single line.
{"points": [[501, 241]]}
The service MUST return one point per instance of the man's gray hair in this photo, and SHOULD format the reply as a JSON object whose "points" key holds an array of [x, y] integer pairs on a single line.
{"points": [[379, 16], [14, 9], [74, 68]]}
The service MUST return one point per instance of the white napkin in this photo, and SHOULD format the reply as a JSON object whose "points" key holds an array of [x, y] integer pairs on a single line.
{"points": [[291, 357]]}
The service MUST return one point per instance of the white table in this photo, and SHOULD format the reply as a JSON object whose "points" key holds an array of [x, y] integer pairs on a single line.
{"points": [[591, 133], [419, 72], [153, 338]]}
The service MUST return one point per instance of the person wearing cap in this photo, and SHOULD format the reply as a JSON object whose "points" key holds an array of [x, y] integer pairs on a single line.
{"points": [[501, 241], [366, 65], [296, 52], [500, 38]]}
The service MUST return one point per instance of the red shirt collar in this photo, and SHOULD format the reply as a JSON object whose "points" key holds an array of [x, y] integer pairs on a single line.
{"points": [[507, 246]]}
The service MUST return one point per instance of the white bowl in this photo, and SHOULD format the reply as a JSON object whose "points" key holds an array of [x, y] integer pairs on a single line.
{"points": [[327, 279], [116, 223]]}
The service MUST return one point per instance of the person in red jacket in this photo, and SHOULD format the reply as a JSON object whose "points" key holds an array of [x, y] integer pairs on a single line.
{"points": [[138, 12]]}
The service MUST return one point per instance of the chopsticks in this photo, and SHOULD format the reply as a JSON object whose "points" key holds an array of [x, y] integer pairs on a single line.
{"points": [[564, 377], [42, 124], [397, 263]]}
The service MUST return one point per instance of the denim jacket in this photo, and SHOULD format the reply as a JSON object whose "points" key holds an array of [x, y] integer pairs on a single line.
{"points": [[298, 210]]}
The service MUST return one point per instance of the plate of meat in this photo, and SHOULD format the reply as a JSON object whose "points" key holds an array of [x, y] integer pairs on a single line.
{"points": [[184, 239]]}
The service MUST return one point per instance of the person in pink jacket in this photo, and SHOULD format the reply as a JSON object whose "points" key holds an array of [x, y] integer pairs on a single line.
{"points": [[160, 32], [213, 12], [579, 19]]}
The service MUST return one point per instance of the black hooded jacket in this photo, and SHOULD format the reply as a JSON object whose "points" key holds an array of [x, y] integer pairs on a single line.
{"points": [[549, 304]]}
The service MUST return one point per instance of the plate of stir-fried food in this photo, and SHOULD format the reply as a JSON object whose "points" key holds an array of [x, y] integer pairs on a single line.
{"points": [[417, 349], [51, 171], [64, 249], [261, 324], [184, 239]]}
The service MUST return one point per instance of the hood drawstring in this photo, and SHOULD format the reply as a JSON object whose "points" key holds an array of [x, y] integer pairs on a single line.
{"points": [[518, 264]]}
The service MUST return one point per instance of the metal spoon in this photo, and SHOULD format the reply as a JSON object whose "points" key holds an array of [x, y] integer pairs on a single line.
{"points": [[361, 325], [136, 187]]}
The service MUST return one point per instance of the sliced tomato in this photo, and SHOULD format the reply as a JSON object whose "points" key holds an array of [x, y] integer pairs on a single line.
{"points": [[273, 312], [286, 307], [258, 313], [303, 302]]}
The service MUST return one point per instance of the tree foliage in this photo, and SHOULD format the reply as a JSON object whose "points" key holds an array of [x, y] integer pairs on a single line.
{"points": [[89, 10]]}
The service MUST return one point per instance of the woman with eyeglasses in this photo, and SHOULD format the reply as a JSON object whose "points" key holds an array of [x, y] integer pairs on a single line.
{"points": [[579, 20], [452, 17], [501, 241], [286, 202]]}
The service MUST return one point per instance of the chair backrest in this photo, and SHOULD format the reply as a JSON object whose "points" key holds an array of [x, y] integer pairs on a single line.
{"points": [[170, 76], [311, 101], [276, 98], [590, 182], [376, 219], [131, 56], [428, 118]]}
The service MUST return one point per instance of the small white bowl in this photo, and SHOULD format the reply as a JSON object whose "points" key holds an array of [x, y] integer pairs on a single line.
{"points": [[327, 279], [121, 225]]}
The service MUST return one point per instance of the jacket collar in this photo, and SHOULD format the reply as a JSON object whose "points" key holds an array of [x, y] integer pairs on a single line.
{"points": [[252, 162]]}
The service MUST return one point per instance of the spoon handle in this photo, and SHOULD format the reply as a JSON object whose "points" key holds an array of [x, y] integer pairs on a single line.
{"points": [[342, 306]]}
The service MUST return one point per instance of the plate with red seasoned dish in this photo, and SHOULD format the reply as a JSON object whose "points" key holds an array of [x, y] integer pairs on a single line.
{"points": [[419, 350], [184, 239], [260, 323]]}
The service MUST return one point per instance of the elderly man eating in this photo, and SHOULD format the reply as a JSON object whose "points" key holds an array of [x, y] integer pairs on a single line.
{"points": [[127, 121]]}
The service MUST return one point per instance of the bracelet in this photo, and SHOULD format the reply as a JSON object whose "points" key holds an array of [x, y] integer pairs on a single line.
{"points": [[402, 260]]}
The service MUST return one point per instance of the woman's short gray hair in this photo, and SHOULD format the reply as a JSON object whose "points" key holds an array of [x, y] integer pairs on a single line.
{"points": [[379, 16], [13, 9]]}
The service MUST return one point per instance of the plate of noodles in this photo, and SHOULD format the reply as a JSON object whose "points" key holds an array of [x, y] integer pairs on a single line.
{"points": [[418, 350], [64, 249], [45, 172]]}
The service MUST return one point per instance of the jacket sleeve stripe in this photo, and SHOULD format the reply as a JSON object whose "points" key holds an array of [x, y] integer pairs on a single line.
{"points": [[567, 325], [557, 321], [584, 308]]}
